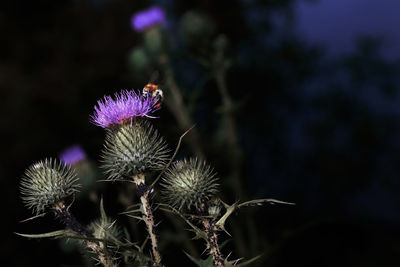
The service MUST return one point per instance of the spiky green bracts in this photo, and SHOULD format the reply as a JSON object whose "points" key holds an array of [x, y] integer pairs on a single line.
{"points": [[47, 183], [133, 148], [105, 229], [188, 184]]}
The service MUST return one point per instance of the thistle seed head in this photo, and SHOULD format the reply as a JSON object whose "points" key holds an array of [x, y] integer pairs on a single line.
{"points": [[188, 184], [133, 149], [46, 183]]}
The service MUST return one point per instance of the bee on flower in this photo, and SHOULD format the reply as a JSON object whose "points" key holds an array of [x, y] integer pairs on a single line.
{"points": [[153, 91]]}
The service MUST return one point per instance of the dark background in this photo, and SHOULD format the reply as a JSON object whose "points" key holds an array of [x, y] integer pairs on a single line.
{"points": [[315, 127]]}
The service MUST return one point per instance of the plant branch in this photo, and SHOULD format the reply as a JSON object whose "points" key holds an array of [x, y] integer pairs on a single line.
{"points": [[65, 216], [213, 243], [147, 215]]}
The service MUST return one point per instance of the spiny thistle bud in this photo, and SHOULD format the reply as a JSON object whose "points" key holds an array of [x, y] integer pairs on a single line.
{"points": [[47, 183], [106, 229], [133, 149], [189, 184], [214, 208]]}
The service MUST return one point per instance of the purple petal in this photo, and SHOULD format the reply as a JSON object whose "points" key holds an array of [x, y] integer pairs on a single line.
{"points": [[125, 106]]}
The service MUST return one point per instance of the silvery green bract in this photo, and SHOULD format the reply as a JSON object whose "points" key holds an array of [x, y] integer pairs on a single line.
{"points": [[46, 183]]}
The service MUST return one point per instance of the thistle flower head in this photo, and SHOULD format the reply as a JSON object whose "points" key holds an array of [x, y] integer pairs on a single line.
{"points": [[125, 106], [72, 155], [188, 184], [147, 18], [132, 149], [46, 183]]}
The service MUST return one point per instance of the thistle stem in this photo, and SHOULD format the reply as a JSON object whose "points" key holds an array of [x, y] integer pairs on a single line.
{"points": [[229, 122], [213, 243], [148, 218], [72, 223], [181, 113], [234, 150]]}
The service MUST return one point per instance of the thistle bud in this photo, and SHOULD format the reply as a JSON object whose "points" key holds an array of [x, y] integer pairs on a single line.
{"points": [[133, 148], [47, 183], [105, 229], [214, 209], [188, 184]]}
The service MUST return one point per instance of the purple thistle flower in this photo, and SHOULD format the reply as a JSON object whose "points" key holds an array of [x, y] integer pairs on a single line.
{"points": [[72, 155], [126, 106], [147, 18]]}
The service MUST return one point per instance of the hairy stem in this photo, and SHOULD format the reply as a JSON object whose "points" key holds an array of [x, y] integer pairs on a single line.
{"points": [[66, 217], [213, 243], [147, 215]]}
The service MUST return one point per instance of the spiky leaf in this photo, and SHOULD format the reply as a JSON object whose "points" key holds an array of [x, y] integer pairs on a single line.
{"points": [[54, 234], [235, 263], [201, 263], [199, 234], [105, 228], [231, 208]]}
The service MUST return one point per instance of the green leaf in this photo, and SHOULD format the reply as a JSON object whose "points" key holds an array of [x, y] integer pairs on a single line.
{"points": [[201, 263], [262, 201], [231, 208], [139, 211], [234, 263], [248, 261], [33, 217], [198, 232], [55, 234], [135, 217], [102, 212]]}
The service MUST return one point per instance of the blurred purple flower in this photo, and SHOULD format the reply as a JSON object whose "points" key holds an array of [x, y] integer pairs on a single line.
{"points": [[147, 18], [72, 155], [126, 106]]}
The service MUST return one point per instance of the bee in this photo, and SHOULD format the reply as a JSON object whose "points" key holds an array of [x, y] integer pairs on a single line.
{"points": [[154, 91]]}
